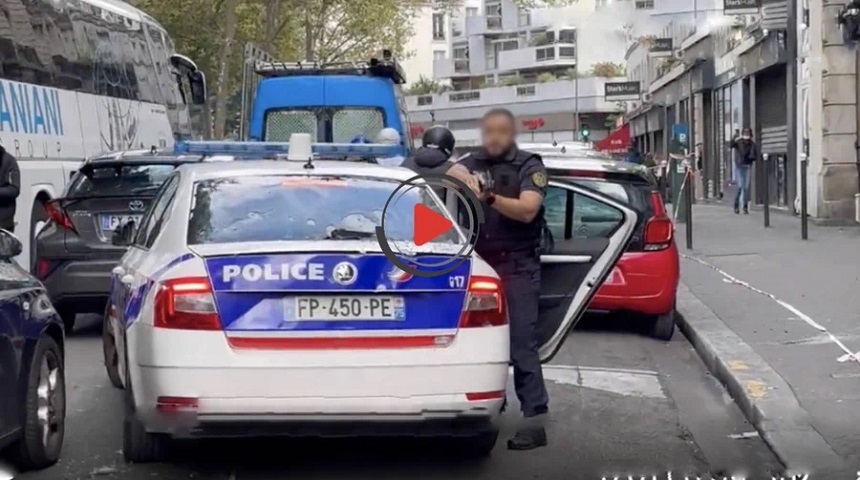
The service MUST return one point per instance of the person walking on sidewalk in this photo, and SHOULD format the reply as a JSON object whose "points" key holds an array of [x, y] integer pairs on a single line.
{"points": [[746, 153]]}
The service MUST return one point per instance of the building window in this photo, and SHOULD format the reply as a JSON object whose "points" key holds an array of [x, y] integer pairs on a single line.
{"points": [[567, 35], [471, 11], [566, 52], [494, 15], [525, 18], [644, 4], [544, 54], [425, 100], [526, 91], [464, 96], [438, 54], [461, 59], [438, 26]]}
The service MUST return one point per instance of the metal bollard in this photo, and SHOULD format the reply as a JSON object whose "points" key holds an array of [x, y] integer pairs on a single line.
{"points": [[688, 200], [804, 221], [766, 190]]}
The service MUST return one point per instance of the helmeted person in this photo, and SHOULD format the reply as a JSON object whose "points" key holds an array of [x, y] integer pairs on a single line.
{"points": [[510, 242], [389, 136]]}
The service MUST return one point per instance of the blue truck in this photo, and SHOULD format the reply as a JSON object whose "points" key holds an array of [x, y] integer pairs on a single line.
{"points": [[334, 103]]}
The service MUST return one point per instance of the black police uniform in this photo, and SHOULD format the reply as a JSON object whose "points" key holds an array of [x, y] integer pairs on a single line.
{"points": [[512, 248]]}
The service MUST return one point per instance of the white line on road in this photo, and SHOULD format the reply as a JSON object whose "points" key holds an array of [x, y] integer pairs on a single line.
{"points": [[629, 383], [849, 355]]}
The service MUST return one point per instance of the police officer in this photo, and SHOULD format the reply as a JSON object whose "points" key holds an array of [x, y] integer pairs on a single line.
{"points": [[10, 188], [434, 156], [510, 242]]}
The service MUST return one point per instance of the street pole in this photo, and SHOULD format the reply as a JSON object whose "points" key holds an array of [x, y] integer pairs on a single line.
{"points": [[688, 199], [766, 190], [792, 68], [576, 124], [804, 221]]}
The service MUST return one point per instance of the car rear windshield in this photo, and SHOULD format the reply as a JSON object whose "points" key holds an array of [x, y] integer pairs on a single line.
{"points": [[302, 208], [131, 180], [635, 194]]}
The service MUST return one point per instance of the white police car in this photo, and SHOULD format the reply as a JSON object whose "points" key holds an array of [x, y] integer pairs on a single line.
{"points": [[254, 299]]}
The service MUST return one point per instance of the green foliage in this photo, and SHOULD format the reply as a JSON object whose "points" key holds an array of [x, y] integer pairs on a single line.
{"points": [[608, 70], [546, 77], [511, 81], [426, 86]]}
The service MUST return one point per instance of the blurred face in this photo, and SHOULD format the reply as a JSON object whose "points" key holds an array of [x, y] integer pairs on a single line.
{"points": [[498, 133], [747, 133]]}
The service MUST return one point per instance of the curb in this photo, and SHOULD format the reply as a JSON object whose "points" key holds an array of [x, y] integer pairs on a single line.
{"points": [[766, 400]]}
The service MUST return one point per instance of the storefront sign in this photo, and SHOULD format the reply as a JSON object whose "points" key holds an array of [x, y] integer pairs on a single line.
{"points": [[661, 47], [741, 7], [621, 91]]}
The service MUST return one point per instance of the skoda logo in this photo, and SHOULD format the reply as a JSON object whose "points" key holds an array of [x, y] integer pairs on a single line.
{"points": [[136, 205], [345, 273]]}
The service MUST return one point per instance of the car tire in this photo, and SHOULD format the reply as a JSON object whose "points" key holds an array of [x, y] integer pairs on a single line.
{"points": [[477, 446], [111, 356], [138, 445], [41, 441], [663, 327], [68, 316], [37, 215]]}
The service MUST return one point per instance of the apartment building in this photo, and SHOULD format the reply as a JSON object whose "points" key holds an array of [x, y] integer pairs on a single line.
{"points": [[431, 37], [529, 62]]}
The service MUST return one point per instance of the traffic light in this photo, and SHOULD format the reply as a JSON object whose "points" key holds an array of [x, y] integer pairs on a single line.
{"points": [[585, 132]]}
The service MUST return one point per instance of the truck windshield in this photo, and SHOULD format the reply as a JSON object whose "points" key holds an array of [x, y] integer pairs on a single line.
{"points": [[324, 124]]}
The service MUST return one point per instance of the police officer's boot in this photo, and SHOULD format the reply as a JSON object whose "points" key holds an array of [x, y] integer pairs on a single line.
{"points": [[530, 435]]}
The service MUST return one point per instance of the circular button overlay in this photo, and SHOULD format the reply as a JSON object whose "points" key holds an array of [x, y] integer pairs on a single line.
{"points": [[467, 202]]}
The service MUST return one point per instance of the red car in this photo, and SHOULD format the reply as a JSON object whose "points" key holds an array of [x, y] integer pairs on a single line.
{"points": [[645, 280]]}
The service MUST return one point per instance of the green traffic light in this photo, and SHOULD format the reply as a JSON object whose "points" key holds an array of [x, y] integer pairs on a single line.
{"points": [[585, 132]]}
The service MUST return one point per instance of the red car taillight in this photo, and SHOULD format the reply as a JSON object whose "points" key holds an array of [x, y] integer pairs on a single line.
{"points": [[186, 304], [59, 216], [659, 229], [485, 304]]}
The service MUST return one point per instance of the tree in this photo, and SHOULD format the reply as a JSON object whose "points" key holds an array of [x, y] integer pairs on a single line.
{"points": [[608, 70], [426, 86], [221, 92]]}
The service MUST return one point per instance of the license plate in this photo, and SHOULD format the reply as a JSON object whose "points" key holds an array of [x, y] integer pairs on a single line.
{"points": [[347, 308], [110, 222]]}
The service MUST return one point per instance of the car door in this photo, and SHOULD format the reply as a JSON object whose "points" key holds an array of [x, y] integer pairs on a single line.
{"points": [[12, 319], [590, 232], [129, 282]]}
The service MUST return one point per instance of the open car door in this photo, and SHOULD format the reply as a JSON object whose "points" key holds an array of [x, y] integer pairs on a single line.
{"points": [[590, 232]]}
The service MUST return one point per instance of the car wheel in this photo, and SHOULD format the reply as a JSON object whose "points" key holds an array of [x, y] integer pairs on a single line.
{"points": [[38, 219], [477, 446], [664, 326], [138, 445], [111, 356], [44, 408], [68, 315]]}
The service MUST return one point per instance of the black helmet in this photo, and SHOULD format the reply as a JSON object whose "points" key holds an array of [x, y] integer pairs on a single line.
{"points": [[440, 138]]}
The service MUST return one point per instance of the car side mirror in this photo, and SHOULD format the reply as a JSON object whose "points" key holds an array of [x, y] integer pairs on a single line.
{"points": [[197, 81], [10, 246], [123, 234]]}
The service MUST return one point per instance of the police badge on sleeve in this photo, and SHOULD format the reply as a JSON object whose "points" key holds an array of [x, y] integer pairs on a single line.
{"points": [[539, 179]]}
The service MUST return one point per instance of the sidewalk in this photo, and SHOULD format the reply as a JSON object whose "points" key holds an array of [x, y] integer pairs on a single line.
{"points": [[785, 363]]}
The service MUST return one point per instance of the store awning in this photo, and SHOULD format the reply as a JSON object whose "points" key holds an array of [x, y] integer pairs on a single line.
{"points": [[616, 142]]}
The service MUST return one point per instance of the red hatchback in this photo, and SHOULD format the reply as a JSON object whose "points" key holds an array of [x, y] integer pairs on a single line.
{"points": [[645, 280]]}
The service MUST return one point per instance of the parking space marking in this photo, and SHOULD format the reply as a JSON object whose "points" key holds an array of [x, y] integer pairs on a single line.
{"points": [[629, 383]]}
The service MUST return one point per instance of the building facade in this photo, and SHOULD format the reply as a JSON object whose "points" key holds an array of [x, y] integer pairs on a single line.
{"points": [[529, 62]]}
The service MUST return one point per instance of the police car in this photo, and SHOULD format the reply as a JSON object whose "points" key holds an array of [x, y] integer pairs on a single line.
{"points": [[255, 299]]}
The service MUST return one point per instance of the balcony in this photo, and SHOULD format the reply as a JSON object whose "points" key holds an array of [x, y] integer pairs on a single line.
{"points": [[553, 55], [526, 99], [450, 67]]}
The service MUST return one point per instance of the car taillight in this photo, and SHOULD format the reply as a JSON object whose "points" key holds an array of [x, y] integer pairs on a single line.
{"points": [[659, 229], [186, 304], [58, 215], [485, 304], [44, 268]]}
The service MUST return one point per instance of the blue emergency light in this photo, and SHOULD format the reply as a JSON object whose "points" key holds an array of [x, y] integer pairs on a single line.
{"points": [[278, 149]]}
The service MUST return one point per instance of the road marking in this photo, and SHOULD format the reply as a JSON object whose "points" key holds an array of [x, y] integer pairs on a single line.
{"points": [[629, 383], [849, 355], [756, 389]]}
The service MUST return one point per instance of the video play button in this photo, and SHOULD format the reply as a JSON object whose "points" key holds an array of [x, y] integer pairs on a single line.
{"points": [[428, 225]]}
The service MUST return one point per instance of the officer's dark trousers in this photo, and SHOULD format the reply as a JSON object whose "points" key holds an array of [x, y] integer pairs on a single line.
{"points": [[521, 278]]}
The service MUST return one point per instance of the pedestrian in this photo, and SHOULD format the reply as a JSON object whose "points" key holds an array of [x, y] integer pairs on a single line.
{"points": [[633, 155], [389, 136], [745, 154], [10, 188], [510, 242]]}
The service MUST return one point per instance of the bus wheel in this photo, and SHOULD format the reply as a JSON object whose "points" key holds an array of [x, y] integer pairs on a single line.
{"points": [[38, 219]]}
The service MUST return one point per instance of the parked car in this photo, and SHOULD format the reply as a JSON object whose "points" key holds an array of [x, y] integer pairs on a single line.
{"points": [[645, 280], [74, 254], [32, 366]]}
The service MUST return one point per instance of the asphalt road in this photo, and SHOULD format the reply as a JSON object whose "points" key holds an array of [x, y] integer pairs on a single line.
{"points": [[622, 404]]}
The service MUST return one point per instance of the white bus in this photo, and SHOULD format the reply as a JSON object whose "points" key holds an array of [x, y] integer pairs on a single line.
{"points": [[81, 77]]}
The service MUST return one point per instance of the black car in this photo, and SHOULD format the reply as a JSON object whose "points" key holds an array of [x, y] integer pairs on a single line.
{"points": [[32, 370], [74, 253]]}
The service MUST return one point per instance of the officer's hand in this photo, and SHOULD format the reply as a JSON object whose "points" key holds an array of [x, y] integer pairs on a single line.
{"points": [[475, 184]]}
